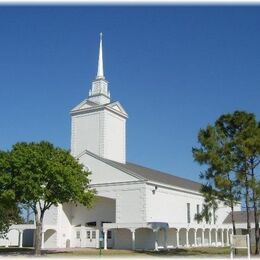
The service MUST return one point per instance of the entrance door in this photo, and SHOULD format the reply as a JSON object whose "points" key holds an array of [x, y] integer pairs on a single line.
{"points": [[91, 238]]}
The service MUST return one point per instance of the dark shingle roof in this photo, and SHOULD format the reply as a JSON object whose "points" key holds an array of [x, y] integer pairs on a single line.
{"points": [[158, 176], [239, 217]]}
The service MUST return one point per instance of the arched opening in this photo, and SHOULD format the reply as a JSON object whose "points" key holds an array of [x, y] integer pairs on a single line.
{"points": [[199, 237], [50, 238], [161, 236], [213, 236], [191, 237], [28, 238], [182, 237], [206, 236], [172, 238], [122, 238], [219, 237], [144, 238], [225, 237]]}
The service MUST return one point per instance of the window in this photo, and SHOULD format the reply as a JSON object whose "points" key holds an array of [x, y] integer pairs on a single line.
{"points": [[198, 212], [188, 212], [78, 234], [109, 234], [88, 234], [91, 224], [94, 234], [214, 215]]}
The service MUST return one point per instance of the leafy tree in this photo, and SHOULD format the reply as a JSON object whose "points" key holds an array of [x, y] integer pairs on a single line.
{"points": [[44, 176], [9, 209]]}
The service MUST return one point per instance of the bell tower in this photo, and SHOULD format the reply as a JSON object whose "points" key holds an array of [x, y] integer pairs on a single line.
{"points": [[99, 92], [97, 123]]}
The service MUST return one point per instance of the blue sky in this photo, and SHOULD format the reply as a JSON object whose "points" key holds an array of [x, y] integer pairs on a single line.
{"points": [[174, 69]]}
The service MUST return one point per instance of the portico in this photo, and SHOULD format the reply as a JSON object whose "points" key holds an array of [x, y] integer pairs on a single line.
{"points": [[166, 236]]}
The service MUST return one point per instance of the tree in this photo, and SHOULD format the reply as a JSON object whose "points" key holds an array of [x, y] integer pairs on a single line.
{"points": [[231, 149], [9, 209], [45, 176], [247, 141], [220, 183]]}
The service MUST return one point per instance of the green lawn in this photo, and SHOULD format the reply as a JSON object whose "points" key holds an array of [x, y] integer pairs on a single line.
{"points": [[199, 251]]}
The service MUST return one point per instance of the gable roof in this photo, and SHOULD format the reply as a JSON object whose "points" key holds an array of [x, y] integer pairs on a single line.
{"points": [[149, 174], [239, 217], [158, 176], [88, 105]]}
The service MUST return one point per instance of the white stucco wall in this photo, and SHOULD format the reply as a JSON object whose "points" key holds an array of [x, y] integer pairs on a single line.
{"points": [[64, 225], [103, 172], [114, 137], [130, 201], [101, 132], [168, 205], [51, 216], [87, 131]]}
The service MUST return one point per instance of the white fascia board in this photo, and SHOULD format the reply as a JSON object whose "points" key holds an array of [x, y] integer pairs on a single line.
{"points": [[124, 115], [91, 109], [79, 105], [116, 183], [117, 103], [78, 110]]}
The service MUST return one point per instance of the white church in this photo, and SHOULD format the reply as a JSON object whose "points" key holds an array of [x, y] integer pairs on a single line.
{"points": [[136, 207]]}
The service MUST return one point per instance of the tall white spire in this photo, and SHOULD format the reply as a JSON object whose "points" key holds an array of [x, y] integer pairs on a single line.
{"points": [[100, 71], [99, 92]]}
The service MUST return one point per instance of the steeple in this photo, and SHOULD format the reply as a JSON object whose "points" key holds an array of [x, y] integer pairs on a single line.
{"points": [[100, 71], [97, 124], [99, 92]]}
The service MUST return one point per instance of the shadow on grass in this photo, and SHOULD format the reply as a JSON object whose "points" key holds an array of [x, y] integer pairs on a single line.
{"points": [[16, 251]]}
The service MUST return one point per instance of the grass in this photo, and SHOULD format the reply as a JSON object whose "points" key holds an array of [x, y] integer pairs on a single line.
{"points": [[199, 251]]}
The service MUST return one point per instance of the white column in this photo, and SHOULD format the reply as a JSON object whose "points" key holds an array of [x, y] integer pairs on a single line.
{"points": [[133, 239], [105, 239], [165, 238], [216, 237], [42, 240], [195, 237], [177, 238], [202, 237], [227, 238], [21, 238], [187, 237], [156, 240], [210, 237], [222, 237]]}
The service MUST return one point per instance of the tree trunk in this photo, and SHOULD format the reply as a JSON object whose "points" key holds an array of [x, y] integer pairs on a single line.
{"points": [[255, 210], [38, 235], [233, 222], [247, 212], [232, 219], [256, 226]]}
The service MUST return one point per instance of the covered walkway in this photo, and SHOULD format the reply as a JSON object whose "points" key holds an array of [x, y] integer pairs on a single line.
{"points": [[160, 235]]}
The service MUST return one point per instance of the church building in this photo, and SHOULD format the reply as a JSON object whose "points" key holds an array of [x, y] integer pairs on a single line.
{"points": [[136, 207]]}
